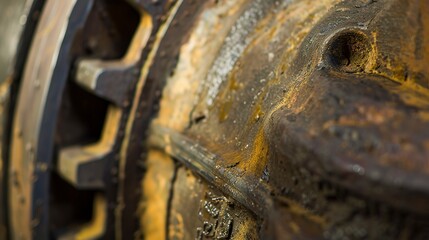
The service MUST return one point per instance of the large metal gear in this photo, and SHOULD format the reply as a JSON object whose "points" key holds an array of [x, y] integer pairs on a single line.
{"points": [[217, 119]]}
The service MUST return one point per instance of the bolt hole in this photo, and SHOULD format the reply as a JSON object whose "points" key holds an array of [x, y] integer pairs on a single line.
{"points": [[199, 119], [349, 52]]}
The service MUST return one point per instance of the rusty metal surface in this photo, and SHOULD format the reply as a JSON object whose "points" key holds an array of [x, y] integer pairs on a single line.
{"points": [[113, 79], [324, 101], [31, 147], [247, 190], [17, 23], [234, 119], [199, 211], [371, 125], [86, 167], [130, 170]]}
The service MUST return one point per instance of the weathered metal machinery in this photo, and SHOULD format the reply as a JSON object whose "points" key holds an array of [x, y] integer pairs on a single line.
{"points": [[216, 119]]}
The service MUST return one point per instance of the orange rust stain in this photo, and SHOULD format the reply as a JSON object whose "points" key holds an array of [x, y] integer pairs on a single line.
{"points": [[253, 159], [156, 187], [259, 155], [257, 114], [224, 100]]}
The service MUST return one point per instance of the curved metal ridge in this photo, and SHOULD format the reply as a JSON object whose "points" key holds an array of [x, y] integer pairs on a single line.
{"points": [[250, 192], [159, 35], [32, 137]]}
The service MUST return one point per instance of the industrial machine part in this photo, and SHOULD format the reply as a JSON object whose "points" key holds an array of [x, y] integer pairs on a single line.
{"points": [[217, 119]]}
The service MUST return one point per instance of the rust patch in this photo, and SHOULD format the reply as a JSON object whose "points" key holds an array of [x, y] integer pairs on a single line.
{"points": [[156, 185]]}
